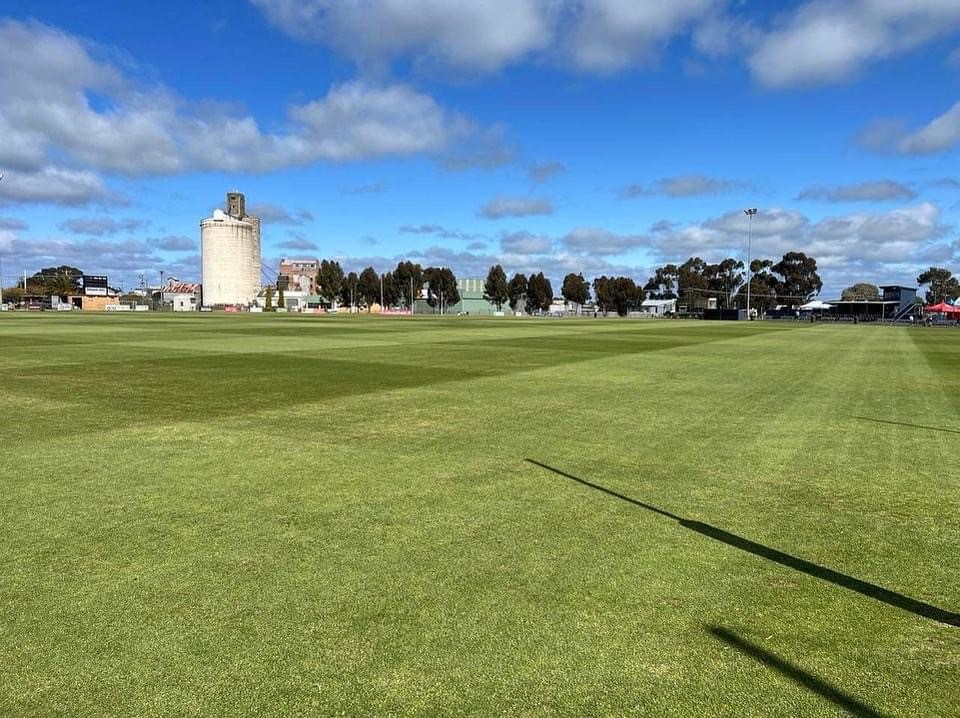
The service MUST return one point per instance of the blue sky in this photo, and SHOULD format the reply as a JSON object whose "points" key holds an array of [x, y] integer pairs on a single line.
{"points": [[602, 136]]}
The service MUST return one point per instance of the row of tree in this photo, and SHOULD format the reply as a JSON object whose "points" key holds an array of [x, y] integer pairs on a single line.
{"points": [[533, 293], [792, 280], [401, 287]]}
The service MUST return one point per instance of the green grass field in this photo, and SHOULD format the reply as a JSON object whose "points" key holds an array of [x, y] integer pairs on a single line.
{"points": [[275, 515]]}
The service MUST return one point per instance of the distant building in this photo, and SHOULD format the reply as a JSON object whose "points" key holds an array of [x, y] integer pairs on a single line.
{"points": [[559, 305], [93, 293], [181, 296], [658, 307], [298, 274], [895, 302], [230, 255], [471, 300]]}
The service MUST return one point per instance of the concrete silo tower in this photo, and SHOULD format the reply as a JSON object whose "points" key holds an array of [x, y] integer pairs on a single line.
{"points": [[230, 255]]}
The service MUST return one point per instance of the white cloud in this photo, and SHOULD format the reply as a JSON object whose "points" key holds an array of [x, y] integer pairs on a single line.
{"points": [[829, 41], [55, 185], [613, 34], [274, 214], [174, 243], [524, 243], [554, 265], [878, 191], [691, 185], [12, 224], [100, 226], [299, 243], [868, 247], [893, 135], [542, 171], [487, 35], [438, 230], [768, 223], [500, 207], [118, 260], [600, 241], [939, 135], [57, 137], [477, 34]]}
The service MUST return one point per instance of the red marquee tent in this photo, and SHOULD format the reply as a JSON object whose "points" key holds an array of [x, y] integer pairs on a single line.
{"points": [[942, 308]]}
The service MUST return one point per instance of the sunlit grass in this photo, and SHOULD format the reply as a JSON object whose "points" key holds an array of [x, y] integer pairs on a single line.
{"points": [[217, 515]]}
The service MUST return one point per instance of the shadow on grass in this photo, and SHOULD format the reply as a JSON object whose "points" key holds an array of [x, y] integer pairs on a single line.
{"points": [[795, 673], [878, 593], [911, 426]]}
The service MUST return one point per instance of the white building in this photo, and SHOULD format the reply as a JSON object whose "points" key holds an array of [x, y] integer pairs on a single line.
{"points": [[658, 307], [181, 296]]}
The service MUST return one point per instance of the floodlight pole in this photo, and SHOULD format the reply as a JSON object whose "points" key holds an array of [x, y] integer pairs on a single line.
{"points": [[749, 212]]}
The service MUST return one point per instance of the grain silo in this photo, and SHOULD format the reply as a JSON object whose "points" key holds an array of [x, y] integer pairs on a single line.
{"points": [[230, 255]]}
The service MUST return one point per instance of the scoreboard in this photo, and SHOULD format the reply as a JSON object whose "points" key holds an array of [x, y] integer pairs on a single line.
{"points": [[94, 285]]}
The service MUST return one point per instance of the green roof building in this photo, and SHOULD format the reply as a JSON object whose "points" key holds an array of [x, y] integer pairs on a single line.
{"points": [[471, 300]]}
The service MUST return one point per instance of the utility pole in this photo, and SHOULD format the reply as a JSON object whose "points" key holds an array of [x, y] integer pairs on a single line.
{"points": [[749, 212]]}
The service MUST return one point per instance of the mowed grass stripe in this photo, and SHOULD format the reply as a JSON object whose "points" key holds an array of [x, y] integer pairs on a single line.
{"points": [[392, 550]]}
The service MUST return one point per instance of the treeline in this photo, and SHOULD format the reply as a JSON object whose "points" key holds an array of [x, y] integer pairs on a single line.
{"points": [[792, 280], [532, 294], [401, 287]]}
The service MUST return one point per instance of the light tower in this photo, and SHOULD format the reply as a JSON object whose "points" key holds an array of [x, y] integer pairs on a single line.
{"points": [[749, 212]]}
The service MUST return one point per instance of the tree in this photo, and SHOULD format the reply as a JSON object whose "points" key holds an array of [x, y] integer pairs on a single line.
{"points": [[441, 287], [724, 278], [763, 287], [799, 281], [603, 291], [575, 289], [626, 295], [368, 286], [692, 282], [409, 280], [619, 293], [391, 291], [281, 304], [663, 282], [539, 293], [495, 289], [330, 280], [941, 285], [60, 281], [13, 294], [349, 290], [860, 292], [516, 291], [268, 301]]}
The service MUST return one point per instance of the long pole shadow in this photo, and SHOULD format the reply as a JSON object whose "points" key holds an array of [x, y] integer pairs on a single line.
{"points": [[864, 588], [796, 674], [911, 426]]}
